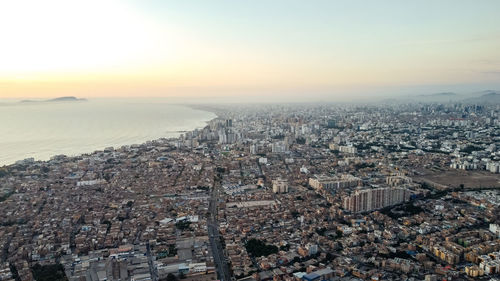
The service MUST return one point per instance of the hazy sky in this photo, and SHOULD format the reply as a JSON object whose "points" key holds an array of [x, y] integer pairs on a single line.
{"points": [[266, 48]]}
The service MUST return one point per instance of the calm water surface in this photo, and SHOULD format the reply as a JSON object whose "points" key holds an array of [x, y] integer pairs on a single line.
{"points": [[42, 130]]}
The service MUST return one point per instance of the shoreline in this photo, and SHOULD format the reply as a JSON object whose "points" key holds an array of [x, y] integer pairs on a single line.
{"points": [[195, 107]]}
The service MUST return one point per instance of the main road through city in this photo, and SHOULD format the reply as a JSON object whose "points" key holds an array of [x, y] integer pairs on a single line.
{"points": [[213, 232]]}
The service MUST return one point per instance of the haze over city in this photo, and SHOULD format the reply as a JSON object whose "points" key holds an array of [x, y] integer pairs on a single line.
{"points": [[249, 50], [259, 140]]}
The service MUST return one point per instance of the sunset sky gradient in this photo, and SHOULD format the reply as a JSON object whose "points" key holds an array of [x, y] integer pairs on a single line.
{"points": [[276, 48]]}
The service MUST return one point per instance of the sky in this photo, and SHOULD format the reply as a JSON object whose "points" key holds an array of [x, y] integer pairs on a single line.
{"points": [[262, 49]]}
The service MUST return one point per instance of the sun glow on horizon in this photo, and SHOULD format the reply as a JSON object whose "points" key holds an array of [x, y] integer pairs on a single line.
{"points": [[133, 48], [49, 40]]}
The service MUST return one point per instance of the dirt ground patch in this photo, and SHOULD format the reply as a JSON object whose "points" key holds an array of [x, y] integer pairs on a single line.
{"points": [[454, 178], [205, 277]]}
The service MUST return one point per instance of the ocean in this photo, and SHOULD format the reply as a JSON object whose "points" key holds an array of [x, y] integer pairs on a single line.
{"points": [[44, 129]]}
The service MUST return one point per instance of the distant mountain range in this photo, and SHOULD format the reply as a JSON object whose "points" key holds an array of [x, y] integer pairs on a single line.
{"points": [[488, 96], [482, 97], [446, 94], [60, 99]]}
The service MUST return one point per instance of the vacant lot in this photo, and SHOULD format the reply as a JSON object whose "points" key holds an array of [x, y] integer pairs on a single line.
{"points": [[454, 178]]}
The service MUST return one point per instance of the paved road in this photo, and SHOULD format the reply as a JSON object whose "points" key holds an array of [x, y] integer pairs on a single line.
{"points": [[213, 233], [152, 269]]}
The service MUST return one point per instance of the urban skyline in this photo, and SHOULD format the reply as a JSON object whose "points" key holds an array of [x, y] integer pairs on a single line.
{"points": [[262, 140]]}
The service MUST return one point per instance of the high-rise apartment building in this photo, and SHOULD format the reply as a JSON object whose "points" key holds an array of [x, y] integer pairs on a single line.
{"points": [[280, 185], [325, 182], [371, 199]]}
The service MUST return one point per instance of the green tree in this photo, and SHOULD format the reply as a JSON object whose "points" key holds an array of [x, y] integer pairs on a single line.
{"points": [[171, 277]]}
